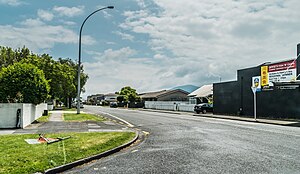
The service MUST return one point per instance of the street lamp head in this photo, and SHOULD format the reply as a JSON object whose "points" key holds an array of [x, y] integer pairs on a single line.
{"points": [[111, 7]]}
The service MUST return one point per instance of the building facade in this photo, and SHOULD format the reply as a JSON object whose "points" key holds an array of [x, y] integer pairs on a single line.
{"points": [[276, 88]]}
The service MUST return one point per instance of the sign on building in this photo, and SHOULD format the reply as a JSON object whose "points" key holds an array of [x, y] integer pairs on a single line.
{"points": [[264, 76], [278, 72], [283, 71]]}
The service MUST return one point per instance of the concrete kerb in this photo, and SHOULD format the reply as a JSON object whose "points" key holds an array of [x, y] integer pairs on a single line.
{"points": [[91, 158], [264, 121], [162, 111]]}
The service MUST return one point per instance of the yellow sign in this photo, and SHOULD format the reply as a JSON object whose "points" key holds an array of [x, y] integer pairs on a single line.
{"points": [[264, 76]]}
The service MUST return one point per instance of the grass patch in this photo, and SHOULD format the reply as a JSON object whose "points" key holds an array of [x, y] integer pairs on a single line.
{"points": [[19, 157], [82, 117], [43, 119], [69, 109]]}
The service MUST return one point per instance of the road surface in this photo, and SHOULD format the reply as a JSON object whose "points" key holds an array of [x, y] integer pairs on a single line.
{"points": [[193, 144]]}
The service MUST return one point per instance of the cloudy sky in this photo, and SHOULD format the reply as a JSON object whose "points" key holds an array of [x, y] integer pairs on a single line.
{"points": [[155, 44]]}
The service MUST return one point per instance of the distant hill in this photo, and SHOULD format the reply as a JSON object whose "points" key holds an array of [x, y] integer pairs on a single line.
{"points": [[187, 88]]}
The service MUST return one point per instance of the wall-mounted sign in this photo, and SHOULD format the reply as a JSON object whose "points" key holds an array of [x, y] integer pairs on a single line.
{"points": [[264, 76], [277, 72], [282, 72]]}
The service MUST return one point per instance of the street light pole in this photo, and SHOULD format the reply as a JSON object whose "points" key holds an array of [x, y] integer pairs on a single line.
{"points": [[79, 56]]}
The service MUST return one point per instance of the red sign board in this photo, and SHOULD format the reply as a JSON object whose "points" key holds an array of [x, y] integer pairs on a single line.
{"points": [[282, 66]]}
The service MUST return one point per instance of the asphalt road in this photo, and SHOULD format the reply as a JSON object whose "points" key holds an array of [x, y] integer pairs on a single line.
{"points": [[191, 144]]}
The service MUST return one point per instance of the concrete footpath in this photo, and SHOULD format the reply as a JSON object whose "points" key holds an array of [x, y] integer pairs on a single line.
{"points": [[295, 123], [56, 124]]}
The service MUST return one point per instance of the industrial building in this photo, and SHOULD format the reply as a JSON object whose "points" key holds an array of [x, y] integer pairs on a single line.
{"points": [[274, 84]]}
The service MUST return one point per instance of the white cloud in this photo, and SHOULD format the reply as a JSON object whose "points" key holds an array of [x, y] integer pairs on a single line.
{"points": [[106, 14], [212, 38], [124, 36], [36, 35], [11, 2], [69, 11], [118, 68], [45, 15], [114, 55]]}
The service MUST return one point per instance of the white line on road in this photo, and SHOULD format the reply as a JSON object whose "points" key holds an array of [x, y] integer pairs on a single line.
{"points": [[126, 122]]}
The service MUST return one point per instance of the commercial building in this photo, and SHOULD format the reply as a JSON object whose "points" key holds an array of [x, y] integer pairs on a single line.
{"points": [[275, 86]]}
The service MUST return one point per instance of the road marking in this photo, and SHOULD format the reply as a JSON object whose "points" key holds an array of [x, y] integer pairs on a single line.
{"points": [[126, 122]]}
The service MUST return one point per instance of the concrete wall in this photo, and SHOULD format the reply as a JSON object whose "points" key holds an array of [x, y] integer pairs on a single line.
{"points": [[8, 114], [170, 105], [29, 113]]}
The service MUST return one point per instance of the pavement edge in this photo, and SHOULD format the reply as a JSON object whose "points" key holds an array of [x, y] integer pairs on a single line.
{"points": [[91, 158]]}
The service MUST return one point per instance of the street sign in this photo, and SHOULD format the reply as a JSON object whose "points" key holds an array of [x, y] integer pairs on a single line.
{"points": [[256, 83]]}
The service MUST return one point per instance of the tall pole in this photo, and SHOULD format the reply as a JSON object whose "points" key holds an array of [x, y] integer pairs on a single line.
{"points": [[79, 56], [254, 101]]}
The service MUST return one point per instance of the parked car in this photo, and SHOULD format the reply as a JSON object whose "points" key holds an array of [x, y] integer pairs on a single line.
{"points": [[203, 107], [113, 104], [74, 105]]}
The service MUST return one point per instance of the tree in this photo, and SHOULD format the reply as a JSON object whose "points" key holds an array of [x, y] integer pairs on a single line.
{"points": [[61, 75], [23, 83], [129, 94], [74, 69], [8, 56]]}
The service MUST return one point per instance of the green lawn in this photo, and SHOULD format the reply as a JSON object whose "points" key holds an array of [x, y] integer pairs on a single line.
{"points": [[16, 156], [81, 117]]}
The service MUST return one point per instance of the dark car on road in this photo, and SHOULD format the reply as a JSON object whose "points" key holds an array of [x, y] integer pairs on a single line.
{"points": [[113, 104], [203, 107]]}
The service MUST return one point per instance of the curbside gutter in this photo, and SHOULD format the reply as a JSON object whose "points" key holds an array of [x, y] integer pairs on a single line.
{"points": [[264, 121], [91, 158]]}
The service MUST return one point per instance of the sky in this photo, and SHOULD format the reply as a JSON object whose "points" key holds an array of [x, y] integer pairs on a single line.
{"points": [[152, 45]]}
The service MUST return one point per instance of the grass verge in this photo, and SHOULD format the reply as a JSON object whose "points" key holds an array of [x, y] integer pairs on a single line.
{"points": [[82, 117], [43, 119], [69, 109], [19, 157]]}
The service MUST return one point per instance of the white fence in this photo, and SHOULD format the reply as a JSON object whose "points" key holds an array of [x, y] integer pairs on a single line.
{"points": [[13, 115], [170, 105]]}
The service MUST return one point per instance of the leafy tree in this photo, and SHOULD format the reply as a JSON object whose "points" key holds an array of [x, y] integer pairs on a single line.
{"points": [[83, 78], [23, 83], [120, 98], [61, 75], [8, 56], [129, 94]]}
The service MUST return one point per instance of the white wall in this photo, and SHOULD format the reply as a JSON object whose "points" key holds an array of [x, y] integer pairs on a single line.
{"points": [[29, 113], [50, 107], [170, 105], [8, 114]]}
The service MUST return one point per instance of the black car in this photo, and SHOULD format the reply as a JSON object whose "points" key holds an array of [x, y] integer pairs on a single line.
{"points": [[203, 107], [113, 104]]}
